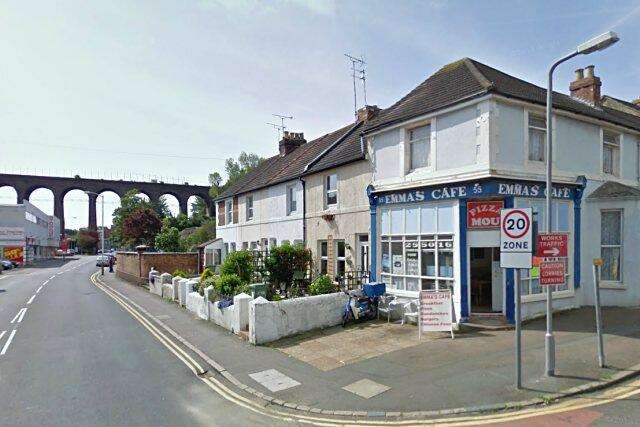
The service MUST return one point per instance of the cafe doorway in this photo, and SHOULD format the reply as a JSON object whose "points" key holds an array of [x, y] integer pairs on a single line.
{"points": [[487, 284]]}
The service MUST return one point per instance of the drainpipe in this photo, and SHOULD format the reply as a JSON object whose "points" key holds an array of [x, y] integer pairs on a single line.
{"points": [[304, 212]]}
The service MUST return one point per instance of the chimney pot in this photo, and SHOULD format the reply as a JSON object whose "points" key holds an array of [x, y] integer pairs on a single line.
{"points": [[367, 112], [579, 74], [290, 141], [589, 71]]}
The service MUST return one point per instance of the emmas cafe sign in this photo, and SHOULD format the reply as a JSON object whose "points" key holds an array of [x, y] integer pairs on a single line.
{"points": [[483, 214]]}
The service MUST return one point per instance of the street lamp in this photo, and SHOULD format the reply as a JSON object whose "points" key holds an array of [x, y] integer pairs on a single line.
{"points": [[101, 228], [598, 43]]}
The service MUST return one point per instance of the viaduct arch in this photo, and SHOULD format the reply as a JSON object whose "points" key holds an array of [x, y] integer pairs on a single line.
{"points": [[24, 185]]}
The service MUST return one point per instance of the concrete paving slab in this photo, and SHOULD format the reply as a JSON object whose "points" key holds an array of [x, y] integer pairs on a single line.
{"points": [[366, 388], [274, 380]]}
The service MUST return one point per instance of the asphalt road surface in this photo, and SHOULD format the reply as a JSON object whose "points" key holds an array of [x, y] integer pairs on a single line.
{"points": [[71, 356]]}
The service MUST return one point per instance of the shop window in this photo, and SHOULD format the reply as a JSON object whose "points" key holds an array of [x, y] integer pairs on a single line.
{"points": [[420, 146], [611, 153], [537, 138], [331, 190], [611, 245], [413, 261]]}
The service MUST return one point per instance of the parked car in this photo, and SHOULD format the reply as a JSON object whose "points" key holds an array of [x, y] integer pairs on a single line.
{"points": [[102, 261], [6, 264]]}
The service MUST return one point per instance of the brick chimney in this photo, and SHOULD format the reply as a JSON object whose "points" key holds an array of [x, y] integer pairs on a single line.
{"points": [[586, 86], [367, 113], [290, 141]]}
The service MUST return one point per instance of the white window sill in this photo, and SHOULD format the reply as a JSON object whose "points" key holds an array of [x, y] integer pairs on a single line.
{"points": [[543, 296], [616, 286]]}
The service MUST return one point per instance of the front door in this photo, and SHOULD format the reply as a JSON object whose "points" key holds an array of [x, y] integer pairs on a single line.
{"points": [[486, 280], [363, 253]]}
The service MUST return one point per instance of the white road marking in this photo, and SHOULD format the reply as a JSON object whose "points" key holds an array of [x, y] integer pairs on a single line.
{"points": [[39, 289], [20, 313], [52, 277], [8, 343], [31, 299], [45, 282], [2, 334]]}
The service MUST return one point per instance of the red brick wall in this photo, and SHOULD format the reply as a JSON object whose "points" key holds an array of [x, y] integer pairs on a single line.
{"points": [[134, 269]]}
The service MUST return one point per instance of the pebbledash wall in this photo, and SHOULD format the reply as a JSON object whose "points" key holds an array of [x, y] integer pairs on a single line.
{"points": [[135, 267]]}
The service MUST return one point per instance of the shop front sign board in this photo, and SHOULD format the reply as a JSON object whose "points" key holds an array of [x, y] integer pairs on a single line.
{"points": [[483, 214], [14, 253], [516, 238], [436, 311], [552, 272]]}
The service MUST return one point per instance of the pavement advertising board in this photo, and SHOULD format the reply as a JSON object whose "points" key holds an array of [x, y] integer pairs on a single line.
{"points": [[436, 311]]}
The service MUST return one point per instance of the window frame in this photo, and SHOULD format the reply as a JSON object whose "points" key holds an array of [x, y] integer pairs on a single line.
{"points": [[528, 128], [248, 208], [340, 259], [410, 143], [228, 211], [323, 258], [291, 198], [328, 190], [617, 283], [616, 151]]}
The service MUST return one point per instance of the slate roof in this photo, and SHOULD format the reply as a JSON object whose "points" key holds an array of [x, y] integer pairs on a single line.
{"points": [[278, 169], [467, 79], [456, 82], [615, 190]]}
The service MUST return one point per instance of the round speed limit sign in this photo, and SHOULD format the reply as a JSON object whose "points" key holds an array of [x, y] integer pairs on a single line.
{"points": [[515, 238], [516, 224]]}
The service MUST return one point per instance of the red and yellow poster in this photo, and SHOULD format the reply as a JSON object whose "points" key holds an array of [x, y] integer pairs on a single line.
{"points": [[14, 253]]}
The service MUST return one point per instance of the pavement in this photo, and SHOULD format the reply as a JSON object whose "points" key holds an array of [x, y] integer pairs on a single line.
{"points": [[473, 371], [78, 359]]}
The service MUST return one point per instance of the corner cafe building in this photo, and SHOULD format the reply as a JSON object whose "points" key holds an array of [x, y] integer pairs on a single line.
{"points": [[448, 237]]}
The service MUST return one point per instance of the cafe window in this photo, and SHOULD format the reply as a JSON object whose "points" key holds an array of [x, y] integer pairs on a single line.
{"points": [[417, 247], [611, 245], [561, 222]]}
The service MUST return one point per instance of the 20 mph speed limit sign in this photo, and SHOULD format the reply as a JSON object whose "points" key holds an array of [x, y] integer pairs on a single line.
{"points": [[516, 242]]}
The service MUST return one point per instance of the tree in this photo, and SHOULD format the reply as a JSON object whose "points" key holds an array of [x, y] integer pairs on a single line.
{"points": [[130, 203], [235, 170], [87, 240], [215, 180], [140, 227], [168, 239], [205, 232]]}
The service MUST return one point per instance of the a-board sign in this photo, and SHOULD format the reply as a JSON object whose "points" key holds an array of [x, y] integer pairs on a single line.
{"points": [[552, 273], [516, 244], [552, 245], [436, 311]]}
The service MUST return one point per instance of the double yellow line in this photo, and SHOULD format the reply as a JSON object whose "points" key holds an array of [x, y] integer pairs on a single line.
{"points": [[609, 396]]}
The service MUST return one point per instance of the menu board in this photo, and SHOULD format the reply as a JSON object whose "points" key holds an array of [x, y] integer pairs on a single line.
{"points": [[436, 311]]}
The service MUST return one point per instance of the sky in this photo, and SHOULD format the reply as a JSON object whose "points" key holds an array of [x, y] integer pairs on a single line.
{"points": [[169, 89]]}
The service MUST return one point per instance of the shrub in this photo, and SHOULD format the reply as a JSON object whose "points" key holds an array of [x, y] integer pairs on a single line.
{"points": [[322, 285], [227, 284], [282, 262], [206, 273], [240, 264], [179, 272]]}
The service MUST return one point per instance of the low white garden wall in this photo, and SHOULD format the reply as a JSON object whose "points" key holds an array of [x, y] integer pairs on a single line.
{"points": [[270, 321]]}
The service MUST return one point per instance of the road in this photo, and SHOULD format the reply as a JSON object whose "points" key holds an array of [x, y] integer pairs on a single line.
{"points": [[70, 355], [73, 357]]}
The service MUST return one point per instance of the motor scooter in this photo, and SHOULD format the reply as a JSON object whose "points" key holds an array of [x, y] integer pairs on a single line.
{"points": [[362, 304]]}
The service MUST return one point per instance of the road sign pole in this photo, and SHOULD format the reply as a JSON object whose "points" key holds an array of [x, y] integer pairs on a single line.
{"points": [[518, 330], [596, 287]]}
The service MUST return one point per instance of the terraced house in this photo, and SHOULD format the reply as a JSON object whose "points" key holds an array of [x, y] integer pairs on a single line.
{"points": [[310, 192]]}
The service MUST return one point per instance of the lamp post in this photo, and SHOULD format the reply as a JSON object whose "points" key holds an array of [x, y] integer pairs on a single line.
{"points": [[101, 228], [598, 43]]}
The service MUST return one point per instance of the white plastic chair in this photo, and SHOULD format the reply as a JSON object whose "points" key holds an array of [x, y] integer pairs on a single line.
{"points": [[410, 310], [386, 305]]}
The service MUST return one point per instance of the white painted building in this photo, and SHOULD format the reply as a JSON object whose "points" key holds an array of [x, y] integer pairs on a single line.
{"points": [[470, 140]]}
